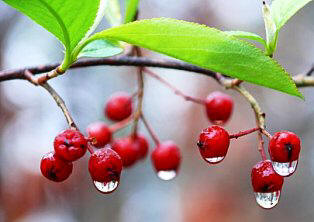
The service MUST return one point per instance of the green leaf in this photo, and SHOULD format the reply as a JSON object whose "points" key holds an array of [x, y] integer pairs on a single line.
{"points": [[70, 21], [101, 48], [205, 47], [131, 8], [113, 13], [283, 10], [247, 35]]}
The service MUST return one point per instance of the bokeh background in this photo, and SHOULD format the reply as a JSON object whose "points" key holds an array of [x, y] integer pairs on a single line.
{"points": [[29, 121]]}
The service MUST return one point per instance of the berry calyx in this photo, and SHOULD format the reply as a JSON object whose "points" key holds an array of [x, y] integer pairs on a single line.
{"points": [[70, 145], [100, 134], [105, 165], [166, 160], [213, 144], [127, 150], [219, 107], [142, 145], [54, 168], [284, 149], [119, 106], [267, 184]]}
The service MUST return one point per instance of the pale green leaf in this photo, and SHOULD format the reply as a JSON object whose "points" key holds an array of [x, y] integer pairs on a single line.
{"points": [[283, 10], [247, 35], [113, 13], [131, 8], [205, 47], [70, 21], [101, 48]]}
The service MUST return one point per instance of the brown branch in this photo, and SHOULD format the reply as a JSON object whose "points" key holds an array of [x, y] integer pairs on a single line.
{"points": [[112, 61]]}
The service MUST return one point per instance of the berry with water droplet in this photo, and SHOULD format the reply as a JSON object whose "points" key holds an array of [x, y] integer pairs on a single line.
{"points": [[213, 144], [54, 168], [105, 167], [284, 149], [219, 107], [70, 145], [127, 150], [267, 184], [100, 134], [166, 159], [142, 145], [119, 106]]}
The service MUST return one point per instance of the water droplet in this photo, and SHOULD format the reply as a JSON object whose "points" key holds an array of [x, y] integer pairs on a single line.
{"points": [[166, 174], [214, 160], [267, 200], [285, 169], [106, 187]]}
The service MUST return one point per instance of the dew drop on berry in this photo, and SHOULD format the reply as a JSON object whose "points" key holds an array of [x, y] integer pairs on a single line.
{"points": [[166, 174], [285, 169], [106, 187], [214, 160], [267, 200]]}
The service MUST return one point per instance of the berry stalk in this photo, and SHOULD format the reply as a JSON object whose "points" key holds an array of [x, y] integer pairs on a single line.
{"points": [[150, 130], [243, 133]]}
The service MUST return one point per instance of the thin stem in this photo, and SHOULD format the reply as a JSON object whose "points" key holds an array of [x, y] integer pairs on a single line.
{"points": [[264, 131], [173, 88], [243, 133], [90, 149], [150, 130], [61, 104], [122, 124], [261, 146], [140, 94]]}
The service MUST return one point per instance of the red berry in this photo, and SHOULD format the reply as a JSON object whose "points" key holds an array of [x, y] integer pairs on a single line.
{"points": [[213, 144], [70, 145], [142, 145], [219, 107], [127, 150], [100, 133], [265, 179], [105, 165], [267, 184], [284, 147], [119, 106], [166, 157], [54, 168]]}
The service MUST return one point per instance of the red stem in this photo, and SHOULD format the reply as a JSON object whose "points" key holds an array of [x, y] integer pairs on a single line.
{"points": [[119, 125], [150, 130], [173, 88], [90, 149], [243, 133]]}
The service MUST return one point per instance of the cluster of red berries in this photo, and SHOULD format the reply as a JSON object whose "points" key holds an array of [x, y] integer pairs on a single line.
{"points": [[267, 176], [106, 163]]}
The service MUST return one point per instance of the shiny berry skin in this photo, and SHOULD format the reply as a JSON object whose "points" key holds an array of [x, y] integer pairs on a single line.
{"points": [[219, 107], [142, 145], [119, 106], [166, 157], [70, 145], [213, 143], [265, 179], [105, 165], [54, 168], [284, 147], [127, 150], [100, 133]]}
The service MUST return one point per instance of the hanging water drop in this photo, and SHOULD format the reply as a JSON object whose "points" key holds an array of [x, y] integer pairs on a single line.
{"points": [[267, 200], [285, 169], [214, 160], [166, 174], [106, 187]]}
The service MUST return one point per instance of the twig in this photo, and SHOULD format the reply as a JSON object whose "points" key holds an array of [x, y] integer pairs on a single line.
{"points": [[173, 88], [150, 130], [243, 133], [61, 104]]}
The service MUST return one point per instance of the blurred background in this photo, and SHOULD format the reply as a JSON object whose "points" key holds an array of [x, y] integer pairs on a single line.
{"points": [[30, 119]]}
